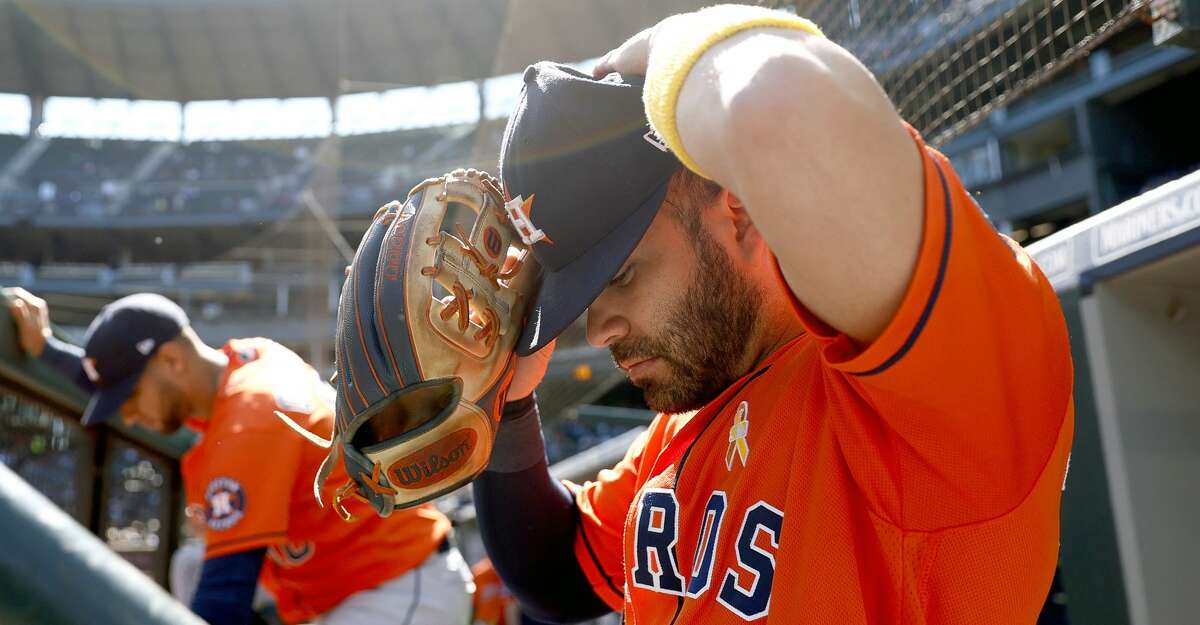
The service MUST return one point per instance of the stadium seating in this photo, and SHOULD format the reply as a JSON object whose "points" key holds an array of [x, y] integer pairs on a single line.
{"points": [[95, 178], [9, 146], [82, 176], [233, 160], [16, 274], [378, 168]]}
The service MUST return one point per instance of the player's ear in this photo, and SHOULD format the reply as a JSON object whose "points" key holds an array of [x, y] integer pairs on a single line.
{"points": [[745, 233]]}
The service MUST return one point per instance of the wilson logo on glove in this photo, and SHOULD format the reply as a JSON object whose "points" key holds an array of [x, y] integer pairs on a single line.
{"points": [[427, 322], [419, 469]]}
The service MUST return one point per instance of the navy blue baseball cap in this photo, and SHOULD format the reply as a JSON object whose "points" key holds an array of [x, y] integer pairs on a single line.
{"points": [[119, 343], [582, 149]]}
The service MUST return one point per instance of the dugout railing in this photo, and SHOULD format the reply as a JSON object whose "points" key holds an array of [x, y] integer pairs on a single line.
{"points": [[63, 482]]}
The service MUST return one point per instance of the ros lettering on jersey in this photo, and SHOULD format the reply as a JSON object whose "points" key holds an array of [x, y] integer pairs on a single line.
{"points": [[755, 562], [706, 544], [655, 567], [745, 588]]}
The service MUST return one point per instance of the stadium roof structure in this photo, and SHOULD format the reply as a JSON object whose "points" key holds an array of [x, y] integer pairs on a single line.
{"points": [[236, 49]]}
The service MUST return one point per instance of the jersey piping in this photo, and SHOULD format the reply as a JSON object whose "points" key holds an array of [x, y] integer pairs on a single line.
{"points": [[937, 283], [683, 460]]}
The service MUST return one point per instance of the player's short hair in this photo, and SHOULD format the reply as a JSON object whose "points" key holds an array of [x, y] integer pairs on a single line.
{"points": [[687, 194]]}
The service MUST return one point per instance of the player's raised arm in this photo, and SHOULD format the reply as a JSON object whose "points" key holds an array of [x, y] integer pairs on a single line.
{"points": [[793, 125], [32, 318]]}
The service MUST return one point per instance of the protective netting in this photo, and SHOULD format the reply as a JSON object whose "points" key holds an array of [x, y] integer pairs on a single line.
{"points": [[948, 63]]}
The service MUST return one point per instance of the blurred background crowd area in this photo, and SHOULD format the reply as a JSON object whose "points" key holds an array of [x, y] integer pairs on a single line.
{"points": [[229, 155]]}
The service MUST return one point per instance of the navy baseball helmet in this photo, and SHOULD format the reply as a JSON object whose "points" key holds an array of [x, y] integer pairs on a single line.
{"points": [[119, 342], [591, 175]]}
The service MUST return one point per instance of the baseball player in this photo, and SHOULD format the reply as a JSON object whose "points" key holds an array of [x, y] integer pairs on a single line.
{"points": [[252, 476], [865, 389]]}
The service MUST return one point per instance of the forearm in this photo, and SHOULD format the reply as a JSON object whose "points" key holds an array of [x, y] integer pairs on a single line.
{"points": [[67, 359], [528, 522]]}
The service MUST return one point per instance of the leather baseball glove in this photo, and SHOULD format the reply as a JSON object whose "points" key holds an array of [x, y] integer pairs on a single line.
{"points": [[427, 322]]}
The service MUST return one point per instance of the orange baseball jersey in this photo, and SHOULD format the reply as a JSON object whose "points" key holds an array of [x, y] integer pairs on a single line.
{"points": [[492, 603], [916, 480], [254, 477]]}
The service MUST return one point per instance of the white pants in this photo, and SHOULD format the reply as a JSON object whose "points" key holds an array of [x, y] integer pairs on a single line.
{"points": [[436, 593]]}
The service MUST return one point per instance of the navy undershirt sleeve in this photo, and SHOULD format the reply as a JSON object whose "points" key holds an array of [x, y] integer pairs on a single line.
{"points": [[225, 594], [528, 522], [67, 359]]}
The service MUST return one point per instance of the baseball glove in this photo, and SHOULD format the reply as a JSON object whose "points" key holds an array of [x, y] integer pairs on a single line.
{"points": [[427, 323]]}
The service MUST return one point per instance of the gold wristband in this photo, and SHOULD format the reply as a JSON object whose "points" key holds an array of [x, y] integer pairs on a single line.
{"points": [[676, 50]]}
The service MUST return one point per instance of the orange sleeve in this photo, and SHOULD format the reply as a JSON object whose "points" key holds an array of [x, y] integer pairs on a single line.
{"points": [[191, 464], [249, 478], [603, 505], [963, 395]]}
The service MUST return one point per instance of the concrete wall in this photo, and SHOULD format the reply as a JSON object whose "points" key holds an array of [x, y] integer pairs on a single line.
{"points": [[1143, 338]]}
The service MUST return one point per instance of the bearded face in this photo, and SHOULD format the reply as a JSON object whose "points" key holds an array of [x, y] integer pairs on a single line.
{"points": [[700, 350]]}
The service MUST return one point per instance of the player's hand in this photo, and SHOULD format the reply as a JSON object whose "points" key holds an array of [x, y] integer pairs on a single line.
{"points": [[628, 58], [530, 371], [633, 56], [32, 317], [532, 368]]}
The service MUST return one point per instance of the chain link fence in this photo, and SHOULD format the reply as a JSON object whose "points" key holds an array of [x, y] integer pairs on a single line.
{"points": [[948, 63]]}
